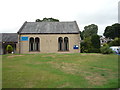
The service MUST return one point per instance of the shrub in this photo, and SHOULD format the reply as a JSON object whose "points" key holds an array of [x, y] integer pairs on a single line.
{"points": [[95, 39], [115, 42], [91, 45], [106, 49], [9, 48]]}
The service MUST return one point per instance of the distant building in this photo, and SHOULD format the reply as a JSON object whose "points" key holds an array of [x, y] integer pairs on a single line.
{"points": [[45, 37], [8, 39], [104, 40]]}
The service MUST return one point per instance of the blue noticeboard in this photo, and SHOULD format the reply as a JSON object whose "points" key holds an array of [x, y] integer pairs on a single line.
{"points": [[75, 47], [24, 38]]}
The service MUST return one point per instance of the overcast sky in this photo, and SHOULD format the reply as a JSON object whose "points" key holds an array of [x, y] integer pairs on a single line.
{"points": [[13, 13]]}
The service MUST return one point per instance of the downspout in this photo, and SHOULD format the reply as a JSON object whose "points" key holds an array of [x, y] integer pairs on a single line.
{"points": [[19, 43]]}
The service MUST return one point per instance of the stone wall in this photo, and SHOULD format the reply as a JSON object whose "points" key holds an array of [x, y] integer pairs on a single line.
{"points": [[49, 43]]}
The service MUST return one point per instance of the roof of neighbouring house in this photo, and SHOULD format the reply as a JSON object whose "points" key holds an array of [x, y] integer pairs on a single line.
{"points": [[49, 28], [8, 37]]}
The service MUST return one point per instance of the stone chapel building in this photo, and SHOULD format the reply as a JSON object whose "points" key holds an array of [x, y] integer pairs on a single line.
{"points": [[48, 37]]}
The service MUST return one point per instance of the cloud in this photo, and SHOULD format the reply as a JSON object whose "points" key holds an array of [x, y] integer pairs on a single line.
{"points": [[15, 12]]}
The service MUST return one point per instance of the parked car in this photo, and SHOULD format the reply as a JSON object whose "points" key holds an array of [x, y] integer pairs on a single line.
{"points": [[116, 49]]}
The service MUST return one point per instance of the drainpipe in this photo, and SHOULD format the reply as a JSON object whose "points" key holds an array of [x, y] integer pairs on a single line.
{"points": [[19, 42]]}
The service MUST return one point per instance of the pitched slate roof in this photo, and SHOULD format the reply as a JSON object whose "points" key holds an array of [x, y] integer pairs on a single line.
{"points": [[49, 27], [8, 37]]}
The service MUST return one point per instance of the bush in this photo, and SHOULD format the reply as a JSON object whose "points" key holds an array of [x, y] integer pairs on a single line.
{"points": [[91, 45], [115, 42], [9, 48], [95, 39], [106, 49]]}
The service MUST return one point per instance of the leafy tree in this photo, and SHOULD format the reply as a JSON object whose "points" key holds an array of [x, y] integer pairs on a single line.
{"points": [[95, 39], [86, 45], [47, 20], [38, 20], [9, 48], [115, 42], [112, 31], [82, 46], [108, 33], [106, 49], [90, 30], [91, 42]]}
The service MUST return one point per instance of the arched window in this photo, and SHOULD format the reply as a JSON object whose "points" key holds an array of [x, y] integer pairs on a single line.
{"points": [[60, 43], [31, 44], [37, 44], [66, 44]]}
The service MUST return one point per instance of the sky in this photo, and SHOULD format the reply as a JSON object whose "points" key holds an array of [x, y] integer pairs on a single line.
{"points": [[13, 13]]}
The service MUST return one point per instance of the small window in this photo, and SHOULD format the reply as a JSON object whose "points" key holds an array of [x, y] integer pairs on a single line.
{"points": [[60, 44], [66, 45], [37, 44], [31, 44]]}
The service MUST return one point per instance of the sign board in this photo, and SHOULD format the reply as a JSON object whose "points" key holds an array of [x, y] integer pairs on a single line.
{"points": [[24, 39], [75, 47]]}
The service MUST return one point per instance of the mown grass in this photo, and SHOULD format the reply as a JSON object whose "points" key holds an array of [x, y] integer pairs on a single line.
{"points": [[60, 71]]}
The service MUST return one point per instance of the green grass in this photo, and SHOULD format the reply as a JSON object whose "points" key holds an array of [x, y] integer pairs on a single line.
{"points": [[60, 71]]}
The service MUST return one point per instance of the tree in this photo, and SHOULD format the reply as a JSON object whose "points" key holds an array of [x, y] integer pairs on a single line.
{"points": [[86, 45], [38, 20], [9, 48], [90, 30], [95, 39], [91, 42], [112, 31], [106, 49], [47, 20], [108, 33], [115, 42]]}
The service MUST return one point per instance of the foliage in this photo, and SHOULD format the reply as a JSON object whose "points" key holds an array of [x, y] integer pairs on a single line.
{"points": [[90, 30], [108, 32], [9, 48], [105, 49], [81, 35], [115, 42], [82, 46], [91, 44], [60, 71], [112, 31], [95, 39], [38, 20], [86, 45], [47, 20]]}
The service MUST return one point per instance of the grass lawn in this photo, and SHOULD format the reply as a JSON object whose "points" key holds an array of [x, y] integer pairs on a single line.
{"points": [[60, 71]]}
